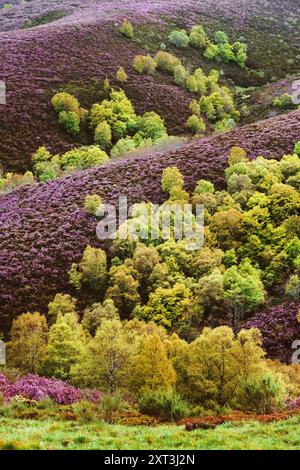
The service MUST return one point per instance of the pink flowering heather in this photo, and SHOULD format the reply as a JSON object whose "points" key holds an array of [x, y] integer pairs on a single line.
{"points": [[280, 328], [39, 388]]}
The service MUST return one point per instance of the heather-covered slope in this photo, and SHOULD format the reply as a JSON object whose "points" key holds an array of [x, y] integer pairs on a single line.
{"points": [[38, 63], [44, 228], [78, 51]]}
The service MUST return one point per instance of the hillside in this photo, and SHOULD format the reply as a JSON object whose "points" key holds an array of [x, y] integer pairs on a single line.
{"points": [[44, 227], [35, 62]]}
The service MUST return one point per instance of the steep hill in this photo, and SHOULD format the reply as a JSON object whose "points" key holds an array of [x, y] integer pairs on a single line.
{"points": [[46, 46], [44, 228]]}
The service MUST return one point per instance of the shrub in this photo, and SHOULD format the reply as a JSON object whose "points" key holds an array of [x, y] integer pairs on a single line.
{"points": [[198, 38], [110, 406], [179, 39], [92, 203], [166, 62], [122, 75], [144, 64], [221, 37], [297, 148], [83, 157], [195, 124], [264, 394], [171, 178], [204, 186], [283, 102], [192, 84], [180, 75], [127, 29], [103, 135], [70, 121], [165, 405], [122, 147], [65, 102]]}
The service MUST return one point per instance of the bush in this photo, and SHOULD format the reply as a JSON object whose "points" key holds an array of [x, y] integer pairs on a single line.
{"points": [[144, 64], [171, 178], [110, 406], [198, 38], [127, 29], [204, 186], [122, 75], [283, 102], [166, 62], [297, 148], [92, 203], [221, 37], [103, 135], [179, 39], [65, 102], [195, 124], [70, 121], [180, 75], [264, 394], [122, 147], [192, 84], [165, 405], [83, 157]]}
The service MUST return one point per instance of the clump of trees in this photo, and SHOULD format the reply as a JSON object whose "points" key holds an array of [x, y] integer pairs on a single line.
{"points": [[219, 49], [47, 166], [118, 129], [223, 51], [69, 112], [167, 376]]}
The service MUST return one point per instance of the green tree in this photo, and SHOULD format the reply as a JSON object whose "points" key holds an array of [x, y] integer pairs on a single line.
{"points": [[170, 307], [70, 121], [126, 29], [107, 361], [66, 342], [97, 313], [144, 64], [244, 290], [61, 305], [92, 203], [198, 38], [91, 271], [65, 102], [103, 135], [166, 62], [122, 75], [218, 362], [124, 288], [152, 369], [195, 124], [171, 178], [28, 338], [179, 39]]}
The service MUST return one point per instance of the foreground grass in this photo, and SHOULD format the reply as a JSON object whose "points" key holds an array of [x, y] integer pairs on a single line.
{"points": [[26, 434]]}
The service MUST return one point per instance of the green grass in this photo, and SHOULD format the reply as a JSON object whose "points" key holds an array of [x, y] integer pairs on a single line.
{"points": [[26, 434]]}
